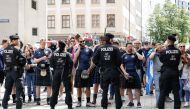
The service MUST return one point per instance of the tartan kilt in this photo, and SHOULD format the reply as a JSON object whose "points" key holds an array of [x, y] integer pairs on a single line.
{"points": [[43, 81], [79, 82], [136, 83], [122, 82], [96, 75]]}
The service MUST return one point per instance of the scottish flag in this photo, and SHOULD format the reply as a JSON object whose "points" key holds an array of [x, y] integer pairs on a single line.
{"points": [[149, 76]]}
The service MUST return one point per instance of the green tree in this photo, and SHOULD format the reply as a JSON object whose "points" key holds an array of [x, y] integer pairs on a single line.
{"points": [[167, 20]]}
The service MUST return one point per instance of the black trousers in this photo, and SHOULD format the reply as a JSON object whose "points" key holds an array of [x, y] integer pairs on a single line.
{"points": [[169, 81], [2, 76], [11, 78], [58, 77], [105, 81]]}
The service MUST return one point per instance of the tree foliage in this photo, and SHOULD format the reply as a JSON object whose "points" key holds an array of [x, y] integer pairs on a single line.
{"points": [[168, 20]]}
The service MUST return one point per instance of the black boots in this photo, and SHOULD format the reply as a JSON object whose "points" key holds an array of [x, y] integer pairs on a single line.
{"points": [[23, 97], [48, 101], [14, 98], [70, 107], [37, 101], [29, 99]]}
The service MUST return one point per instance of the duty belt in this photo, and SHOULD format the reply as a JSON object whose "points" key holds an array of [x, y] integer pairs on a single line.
{"points": [[11, 68]]}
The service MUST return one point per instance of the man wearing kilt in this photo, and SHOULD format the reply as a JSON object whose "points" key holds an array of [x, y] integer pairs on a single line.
{"points": [[83, 79], [129, 62], [43, 75]]}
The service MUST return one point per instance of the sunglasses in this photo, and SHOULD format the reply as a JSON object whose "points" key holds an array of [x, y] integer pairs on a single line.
{"points": [[81, 41]]}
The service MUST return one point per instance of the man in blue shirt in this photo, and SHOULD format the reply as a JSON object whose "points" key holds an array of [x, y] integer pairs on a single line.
{"points": [[43, 76], [83, 57], [4, 45], [2, 74]]}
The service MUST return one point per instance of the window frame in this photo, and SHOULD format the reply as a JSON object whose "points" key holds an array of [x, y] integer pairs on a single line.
{"points": [[32, 4], [110, 1], [80, 1], [95, 21], [69, 20], [66, 2], [95, 1], [108, 22], [51, 2], [52, 21], [81, 24], [35, 31]]}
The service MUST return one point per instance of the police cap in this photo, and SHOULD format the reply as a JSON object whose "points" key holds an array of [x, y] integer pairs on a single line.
{"points": [[13, 37], [109, 35], [172, 37]]}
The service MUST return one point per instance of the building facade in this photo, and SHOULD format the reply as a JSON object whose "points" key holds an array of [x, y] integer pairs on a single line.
{"points": [[182, 4], [27, 18], [120, 17]]}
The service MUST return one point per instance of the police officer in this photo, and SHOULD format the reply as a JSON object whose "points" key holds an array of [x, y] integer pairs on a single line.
{"points": [[169, 79], [108, 58], [62, 64], [14, 63]]}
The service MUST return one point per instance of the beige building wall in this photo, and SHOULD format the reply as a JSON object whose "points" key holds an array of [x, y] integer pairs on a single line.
{"points": [[120, 8], [11, 14], [22, 18]]}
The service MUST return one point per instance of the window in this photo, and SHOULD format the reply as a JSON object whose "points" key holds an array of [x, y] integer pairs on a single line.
{"points": [[110, 1], [95, 1], [188, 5], [51, 2], [65, 1], [180, 4], [80, 21], [34, 31], [65, 21], [80, 1], [111, 20], [51, 21], [34, 4], [95, 21]]}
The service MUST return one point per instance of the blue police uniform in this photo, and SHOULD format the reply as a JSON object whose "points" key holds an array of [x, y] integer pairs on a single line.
{"points": [[83, 64], [130, 61]]}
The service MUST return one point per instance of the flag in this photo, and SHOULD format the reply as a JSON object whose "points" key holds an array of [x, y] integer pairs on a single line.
{"points": [[149, 76]]}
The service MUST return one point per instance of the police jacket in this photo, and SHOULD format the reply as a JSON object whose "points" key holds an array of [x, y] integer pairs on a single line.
{"points": [[1, 60], [107, 56], [13, 57], [61, 61], [170, 57]]}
